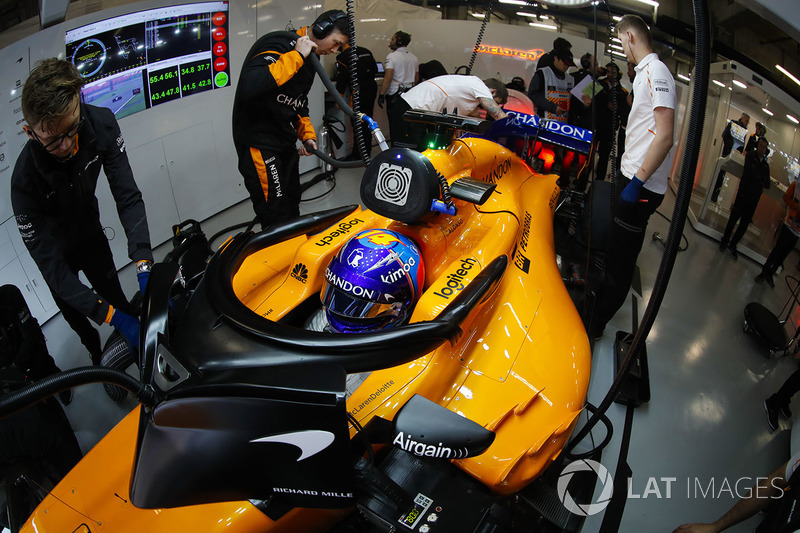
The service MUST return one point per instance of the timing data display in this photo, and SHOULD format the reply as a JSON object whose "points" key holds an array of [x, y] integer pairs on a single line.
{"points": [[147, 58]]}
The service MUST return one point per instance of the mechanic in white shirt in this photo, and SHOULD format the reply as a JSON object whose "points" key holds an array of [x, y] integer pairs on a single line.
{"points": [[401, 73], [645, 165], [452, 92]]}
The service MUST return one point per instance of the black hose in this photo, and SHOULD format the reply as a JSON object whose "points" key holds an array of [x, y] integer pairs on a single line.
{"points": [[688, 168], [609, 433], [355, 90], [51, 385], [486, 18]]}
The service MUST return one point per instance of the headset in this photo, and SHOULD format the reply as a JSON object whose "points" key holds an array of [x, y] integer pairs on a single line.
{"points": [[324, 25]]}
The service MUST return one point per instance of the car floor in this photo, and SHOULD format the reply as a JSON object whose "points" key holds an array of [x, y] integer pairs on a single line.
{"points": [[704, 427]]}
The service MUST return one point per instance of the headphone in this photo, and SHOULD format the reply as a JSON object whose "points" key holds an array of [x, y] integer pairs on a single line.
{"points": [[324, 25]]}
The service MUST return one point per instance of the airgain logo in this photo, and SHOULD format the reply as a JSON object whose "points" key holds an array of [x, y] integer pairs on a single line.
{"points": [[300, 273]]}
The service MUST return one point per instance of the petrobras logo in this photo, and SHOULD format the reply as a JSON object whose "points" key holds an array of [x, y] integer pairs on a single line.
{"points": [[422, 449], [561, 128], [342, 229], [349, 287]]}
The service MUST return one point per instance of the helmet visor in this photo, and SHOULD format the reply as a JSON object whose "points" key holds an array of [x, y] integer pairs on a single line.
{"points": [[342, 303]]}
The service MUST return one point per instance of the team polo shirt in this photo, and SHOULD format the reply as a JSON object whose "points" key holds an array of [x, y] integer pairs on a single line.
{"points": [[405, 66], [653, 87], [448, 92]]}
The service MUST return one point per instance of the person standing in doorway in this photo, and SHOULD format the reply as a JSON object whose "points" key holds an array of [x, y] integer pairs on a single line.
{"points": [[401, 73]]}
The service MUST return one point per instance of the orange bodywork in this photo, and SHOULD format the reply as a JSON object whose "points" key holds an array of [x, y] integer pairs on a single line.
{"points": [[520, 368]]}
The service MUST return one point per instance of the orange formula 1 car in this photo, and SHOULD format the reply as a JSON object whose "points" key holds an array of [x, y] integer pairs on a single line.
{"points": [[246, 424]]}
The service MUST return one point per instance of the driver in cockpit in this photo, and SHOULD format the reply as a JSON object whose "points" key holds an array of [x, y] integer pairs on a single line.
{"points": [[372, 283]]}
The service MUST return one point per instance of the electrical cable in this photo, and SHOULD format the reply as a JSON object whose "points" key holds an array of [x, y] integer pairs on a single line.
{"points": [[688, 169]]}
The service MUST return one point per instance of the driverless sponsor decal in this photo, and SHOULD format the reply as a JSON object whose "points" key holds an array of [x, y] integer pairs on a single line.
{"points": [[342, 229], [421, 449], [372, 397], [455, 281]]}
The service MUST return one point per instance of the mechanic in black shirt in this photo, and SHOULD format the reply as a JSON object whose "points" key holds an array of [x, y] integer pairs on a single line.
{"points": [[367, 69], [53, 197], [754, 180], [270, 113]]}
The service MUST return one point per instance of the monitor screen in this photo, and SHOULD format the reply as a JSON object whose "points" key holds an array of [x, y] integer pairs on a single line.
{"points": [[143, 59], [381, 70], [793, 168]]}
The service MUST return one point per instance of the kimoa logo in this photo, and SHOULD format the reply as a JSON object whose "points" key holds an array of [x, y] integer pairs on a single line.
{"points": [[394, 275], [310, 442], [455, 281], [422, 449], [300, 273]]}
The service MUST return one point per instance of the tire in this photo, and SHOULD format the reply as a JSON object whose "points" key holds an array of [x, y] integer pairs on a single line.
{"points": [[118, 355]]}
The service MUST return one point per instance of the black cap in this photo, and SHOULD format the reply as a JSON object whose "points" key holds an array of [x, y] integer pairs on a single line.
{"points": [[565, 55]]}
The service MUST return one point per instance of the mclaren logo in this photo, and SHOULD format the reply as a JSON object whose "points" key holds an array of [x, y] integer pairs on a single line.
{"points": [[300, 273], [310, 442]]}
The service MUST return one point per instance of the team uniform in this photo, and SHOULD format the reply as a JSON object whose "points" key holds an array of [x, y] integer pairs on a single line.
{"points": [[270, 112], [405, 67], [58, 218], [653, 87]]}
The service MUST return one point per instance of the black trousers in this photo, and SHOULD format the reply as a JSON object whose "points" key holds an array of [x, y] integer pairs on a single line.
{"points": [[273, 180], [95, 260], [788, 389], [395, 107], [783, 246], [627, 234], [742, 211], [605, 139]]}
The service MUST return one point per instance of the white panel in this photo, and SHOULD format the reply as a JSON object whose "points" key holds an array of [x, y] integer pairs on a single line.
{"points": [[37, 282], [14, 65], [151, 174], [192, 173]]}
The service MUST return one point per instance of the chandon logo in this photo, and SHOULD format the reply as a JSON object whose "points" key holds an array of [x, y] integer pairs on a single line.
{"points": [[310, 442], [421, 449], [300, 273]]}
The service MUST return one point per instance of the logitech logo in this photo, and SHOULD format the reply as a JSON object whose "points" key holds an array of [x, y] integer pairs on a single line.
{"points": [[300, 273], [342, 229], [310, 442], [455, 281]]}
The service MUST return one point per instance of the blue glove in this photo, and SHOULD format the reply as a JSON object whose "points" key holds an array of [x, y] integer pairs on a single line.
{"points": [[143, 277], [630, 194], [127, 325]]}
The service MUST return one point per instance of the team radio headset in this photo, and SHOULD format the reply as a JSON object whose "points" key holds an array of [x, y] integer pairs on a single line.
{"points": [[324, 26]]}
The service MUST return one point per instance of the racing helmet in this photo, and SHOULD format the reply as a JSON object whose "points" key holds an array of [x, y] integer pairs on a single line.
{"points": [[373, 282]]}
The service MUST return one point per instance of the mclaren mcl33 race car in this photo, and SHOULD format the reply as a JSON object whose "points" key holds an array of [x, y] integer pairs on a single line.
{"points": [[246, 423]]}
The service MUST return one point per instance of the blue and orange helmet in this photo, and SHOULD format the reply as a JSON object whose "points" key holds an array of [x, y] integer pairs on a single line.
{"points": [[373, 282]]}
